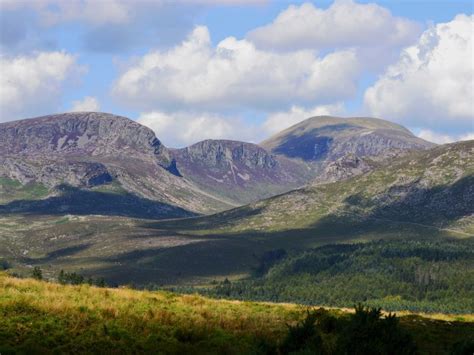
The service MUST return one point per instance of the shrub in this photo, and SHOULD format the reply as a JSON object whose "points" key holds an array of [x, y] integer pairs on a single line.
{"points": [[4, 264], [367, 332], [304, 337], [37, 273]]}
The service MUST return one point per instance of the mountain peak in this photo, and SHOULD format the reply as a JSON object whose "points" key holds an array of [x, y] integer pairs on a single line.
{"points": [[327, 138], [74, 133]]}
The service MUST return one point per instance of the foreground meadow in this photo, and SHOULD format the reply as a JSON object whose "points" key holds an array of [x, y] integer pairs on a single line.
{"points": [[44, 317]]}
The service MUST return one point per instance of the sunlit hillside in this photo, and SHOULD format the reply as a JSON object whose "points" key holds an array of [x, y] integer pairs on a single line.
{"points": [[42, 317]]}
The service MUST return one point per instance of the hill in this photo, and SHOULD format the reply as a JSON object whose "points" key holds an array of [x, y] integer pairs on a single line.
{"points": [[44, 317], [336, 148], [108, 161], [432, 188]]}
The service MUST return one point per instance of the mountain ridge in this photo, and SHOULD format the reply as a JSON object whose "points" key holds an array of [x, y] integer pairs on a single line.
{"points": [[89, 150]]}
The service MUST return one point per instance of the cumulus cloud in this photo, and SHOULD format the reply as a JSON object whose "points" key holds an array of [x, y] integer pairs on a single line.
{"points": [[179, 129], [432, 84], [88, 103], [235, 74], [279, 121], [32, 85], [182, 128], [441, 138], [344, 24]]}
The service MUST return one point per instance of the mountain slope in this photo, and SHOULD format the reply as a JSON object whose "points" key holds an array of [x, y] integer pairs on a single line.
{"points": [[96, 150], [238, 171], [319, 149], [433, 187], [323, 140], [108, 154]]}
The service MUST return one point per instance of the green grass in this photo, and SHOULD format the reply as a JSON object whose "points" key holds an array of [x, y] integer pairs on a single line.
{"points": [[40, 317], [11, 190]]}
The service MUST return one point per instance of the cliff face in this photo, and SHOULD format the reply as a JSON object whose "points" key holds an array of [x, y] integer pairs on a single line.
{"points": [[225, 153], [81, 134], [241, 172]]}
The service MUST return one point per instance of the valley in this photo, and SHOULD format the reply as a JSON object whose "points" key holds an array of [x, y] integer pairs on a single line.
{"points": [[123, 207]]}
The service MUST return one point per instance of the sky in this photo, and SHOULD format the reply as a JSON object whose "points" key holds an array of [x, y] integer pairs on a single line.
{"points": [[241, 69]]}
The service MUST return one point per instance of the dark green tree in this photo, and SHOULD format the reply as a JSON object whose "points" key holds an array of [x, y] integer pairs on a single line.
{"points": [[37, 273], [304, 337]]}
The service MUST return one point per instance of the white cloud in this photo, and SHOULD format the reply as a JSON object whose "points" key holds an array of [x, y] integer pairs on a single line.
{"points": [[235, 74], [88, 103], [179, 129], [31, 85], [432, 85], [441, 138], [344, 24], [279, 121], [182, 128]]}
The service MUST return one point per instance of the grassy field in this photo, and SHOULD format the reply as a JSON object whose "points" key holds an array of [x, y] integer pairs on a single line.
{"points": [[41, 317], [125, 250]]}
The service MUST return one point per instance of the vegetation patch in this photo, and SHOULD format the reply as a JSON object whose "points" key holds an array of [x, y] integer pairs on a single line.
{"points": [[41, 317], [11, 190], [416, 275]]}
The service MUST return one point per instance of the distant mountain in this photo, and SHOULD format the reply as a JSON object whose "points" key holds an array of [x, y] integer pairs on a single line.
{"points": [[337, 148], [70, 162], [237, 171], [99, 154], [425, 195]]}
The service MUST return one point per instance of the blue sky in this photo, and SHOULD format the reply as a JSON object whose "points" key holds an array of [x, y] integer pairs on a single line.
{"points": [[241, 69]]}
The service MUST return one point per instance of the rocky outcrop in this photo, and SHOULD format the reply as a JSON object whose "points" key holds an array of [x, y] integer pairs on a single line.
{"points": [[241, 172], [343, 168], [50, 173], [225, 153]]}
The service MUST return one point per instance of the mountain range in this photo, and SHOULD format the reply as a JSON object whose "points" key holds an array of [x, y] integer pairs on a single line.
{"points": [[95, 151], [101, 195]]}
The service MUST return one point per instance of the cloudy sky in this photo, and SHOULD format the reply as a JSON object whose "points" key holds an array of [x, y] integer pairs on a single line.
{"points": [[241, 69]]}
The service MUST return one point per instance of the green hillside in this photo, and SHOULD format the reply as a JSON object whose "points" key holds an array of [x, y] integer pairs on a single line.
{"points": [[433, 188], [40, 317], [428, 276]]}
